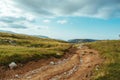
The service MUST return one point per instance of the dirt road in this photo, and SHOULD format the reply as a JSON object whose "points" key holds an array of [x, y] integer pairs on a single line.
{"points": [[78, 66]]}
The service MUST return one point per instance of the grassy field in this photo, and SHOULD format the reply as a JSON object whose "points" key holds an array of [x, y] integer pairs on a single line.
{"points": [[110, 50], [22, 48]]}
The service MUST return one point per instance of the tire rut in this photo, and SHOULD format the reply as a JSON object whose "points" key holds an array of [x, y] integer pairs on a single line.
{"points": [[77, 67]]}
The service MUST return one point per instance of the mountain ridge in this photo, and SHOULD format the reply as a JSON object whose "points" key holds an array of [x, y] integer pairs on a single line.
{"points": [[81, 40]]}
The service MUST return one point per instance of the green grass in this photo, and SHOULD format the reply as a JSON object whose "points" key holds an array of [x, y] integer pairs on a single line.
{"points": [[110, 50], [23, 48]]}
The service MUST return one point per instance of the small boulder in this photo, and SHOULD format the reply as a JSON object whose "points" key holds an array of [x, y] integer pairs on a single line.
{"points": [[12, 65], [97, 67], [52, 63], [17, 76], [58, 54], [81, 61]]}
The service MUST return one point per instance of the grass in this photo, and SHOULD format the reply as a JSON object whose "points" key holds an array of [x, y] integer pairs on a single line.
{"points": [[110, 50], [23, 48]]}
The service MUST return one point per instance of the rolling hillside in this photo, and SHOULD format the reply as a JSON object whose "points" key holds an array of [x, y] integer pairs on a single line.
{"points": [[22, 48], [110, 52]]}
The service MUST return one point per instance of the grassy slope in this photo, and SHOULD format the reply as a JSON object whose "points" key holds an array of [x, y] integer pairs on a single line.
{"points": [[110, 50], [22, 48]]}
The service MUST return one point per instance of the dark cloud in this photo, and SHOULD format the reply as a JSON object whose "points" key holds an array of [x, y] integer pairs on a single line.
{"points": [[6, 31], [18, 26], [14, 22], [91, 8], [9, 19], [12, 25]]}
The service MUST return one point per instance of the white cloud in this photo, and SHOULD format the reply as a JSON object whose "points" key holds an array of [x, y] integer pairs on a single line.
{"points": [[19, 20], [30, 17], [62, 21], [46, 21], [13, 17], [21, 15], [88, 8], [3, 24]]}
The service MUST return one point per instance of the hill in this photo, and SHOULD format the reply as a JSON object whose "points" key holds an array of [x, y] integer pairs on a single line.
{"points": [[81, 40], [4, 31], [22, 48], [40, 36]]}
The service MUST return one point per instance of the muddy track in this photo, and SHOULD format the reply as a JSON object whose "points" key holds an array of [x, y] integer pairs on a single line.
{"points": [[79, 66]]}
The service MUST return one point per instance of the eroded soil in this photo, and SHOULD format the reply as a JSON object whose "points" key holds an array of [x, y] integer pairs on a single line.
{"points": [[77, 64]]}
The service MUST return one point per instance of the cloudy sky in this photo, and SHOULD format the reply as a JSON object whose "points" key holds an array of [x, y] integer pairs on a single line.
{"points": [[62, 19]]}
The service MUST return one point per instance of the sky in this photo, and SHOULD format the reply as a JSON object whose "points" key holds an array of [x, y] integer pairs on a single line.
{"points": [[62, 19]]}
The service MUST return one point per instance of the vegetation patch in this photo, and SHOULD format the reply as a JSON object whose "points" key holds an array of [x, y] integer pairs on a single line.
{"points": [[110, 51], [22, 48]]}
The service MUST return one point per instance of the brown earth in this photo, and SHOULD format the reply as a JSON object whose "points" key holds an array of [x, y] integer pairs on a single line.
{"points": [[76, 64]]}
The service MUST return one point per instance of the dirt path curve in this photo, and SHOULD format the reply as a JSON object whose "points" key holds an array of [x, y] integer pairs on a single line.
{"points": [[79, 66]]}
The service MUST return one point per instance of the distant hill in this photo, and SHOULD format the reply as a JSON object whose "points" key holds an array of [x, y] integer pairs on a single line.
{"points": [[39, 36], [6, 31], [81, 40]]}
